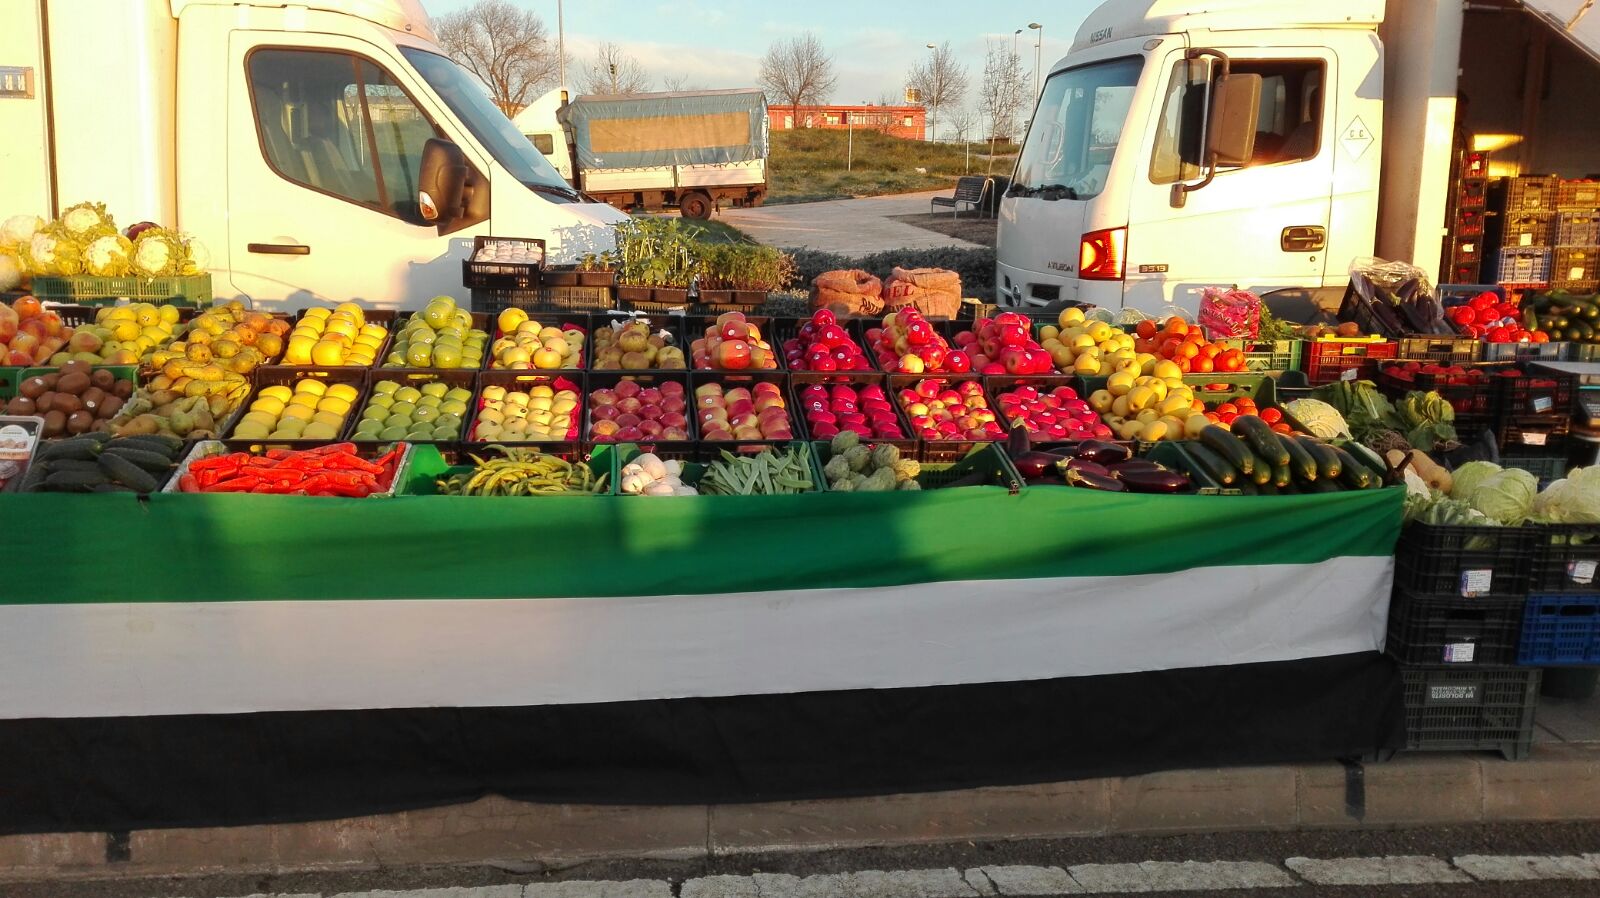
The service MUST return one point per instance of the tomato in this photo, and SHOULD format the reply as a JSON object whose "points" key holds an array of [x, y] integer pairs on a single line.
{"points": [[1271, 415], [1282, 428], [1204, 365], [1483, 300], [1227, 408], [1147, 329], [1540, 337], [1498, 335], [1213, 417], [1176, 325]]}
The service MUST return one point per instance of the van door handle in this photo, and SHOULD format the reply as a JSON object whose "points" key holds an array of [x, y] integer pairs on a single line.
{"points": [[279, 249], [1304, 239]]}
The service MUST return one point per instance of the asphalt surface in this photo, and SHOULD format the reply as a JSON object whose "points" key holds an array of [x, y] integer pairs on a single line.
{"points": [[855, 227], [1273, 848]]}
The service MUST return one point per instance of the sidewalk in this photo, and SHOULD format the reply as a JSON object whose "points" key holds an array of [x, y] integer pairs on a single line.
{"points": [[855, 227], [1559, 782]]}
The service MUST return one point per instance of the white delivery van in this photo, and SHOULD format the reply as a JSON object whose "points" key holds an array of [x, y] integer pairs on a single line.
{"points": [[1268, 143], [321, 150]]}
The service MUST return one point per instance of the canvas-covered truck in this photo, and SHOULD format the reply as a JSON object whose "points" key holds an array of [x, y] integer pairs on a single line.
{"points": [[692, 150], [321, 150], [1270, 143]]}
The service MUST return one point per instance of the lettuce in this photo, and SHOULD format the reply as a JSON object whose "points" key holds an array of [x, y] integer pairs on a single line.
{"points": [[1466, 478], [1506, 496], [1575, 500]]}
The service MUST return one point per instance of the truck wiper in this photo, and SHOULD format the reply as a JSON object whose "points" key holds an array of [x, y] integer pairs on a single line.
{"points": [[1057, 192], [563, 192]]}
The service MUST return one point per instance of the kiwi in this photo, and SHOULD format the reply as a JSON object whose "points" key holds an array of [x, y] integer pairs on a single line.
{"points": [[109, 408], [55, 423], [123, 389], [44, 402], [72, 382], [92, 398], [51, 379], [79, 422], [66, 403], [34, 387], [76, 367], [103, 378], [20, 405]]}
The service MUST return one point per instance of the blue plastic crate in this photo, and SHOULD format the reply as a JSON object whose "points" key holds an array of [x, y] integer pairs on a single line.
{"points": [[1560, 631]]}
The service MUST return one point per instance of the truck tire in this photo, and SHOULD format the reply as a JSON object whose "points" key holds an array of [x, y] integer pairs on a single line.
{"points": [[695, 205]]}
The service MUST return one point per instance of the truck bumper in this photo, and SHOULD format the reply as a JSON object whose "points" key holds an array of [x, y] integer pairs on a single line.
{"points": [[1018, 287]]}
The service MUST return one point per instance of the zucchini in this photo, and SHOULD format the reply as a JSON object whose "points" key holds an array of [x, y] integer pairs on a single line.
{"points": [[1260, 471], [1262, 440], [1230, 447], [1211, 463], [154, 462], [1584, 329], [1327, 461], [1354, 475], [126, 472], [1282, 476], [73, 464], [1267, 489], [1300, 461]]}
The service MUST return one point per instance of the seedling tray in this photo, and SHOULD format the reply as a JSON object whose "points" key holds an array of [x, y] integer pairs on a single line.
{"points": [[502, 275]]}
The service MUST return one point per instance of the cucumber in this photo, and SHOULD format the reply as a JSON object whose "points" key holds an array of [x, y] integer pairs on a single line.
{"points": [[34, 479], [73, 464], [154, 462], [73, 481], [1327, 461], [127, 473], [1300, 461], [112, 488], [1353, 475], [1260, 471], [1262, 440], [151, 442], [79, 448], [1230, 447], [1584, 329], [1211, 463]]}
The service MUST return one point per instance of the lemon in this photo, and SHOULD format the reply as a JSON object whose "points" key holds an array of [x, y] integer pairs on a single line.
{"points": [[312, 386], [272, 405], [276, 391], [333, 404]]}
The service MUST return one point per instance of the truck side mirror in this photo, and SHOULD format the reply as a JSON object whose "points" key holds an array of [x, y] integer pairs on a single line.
{"points": [[1235, 106], [442, 182]]}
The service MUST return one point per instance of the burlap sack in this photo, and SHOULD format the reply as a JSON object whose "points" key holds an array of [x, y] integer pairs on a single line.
{"points": [[847, 293], [934, 292]]}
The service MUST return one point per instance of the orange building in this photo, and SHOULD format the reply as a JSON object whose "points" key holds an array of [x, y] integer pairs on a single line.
{"points": [[909, 122]]}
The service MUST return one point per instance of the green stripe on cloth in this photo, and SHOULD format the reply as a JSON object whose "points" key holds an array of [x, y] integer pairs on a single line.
{"points": [[111, 548]]}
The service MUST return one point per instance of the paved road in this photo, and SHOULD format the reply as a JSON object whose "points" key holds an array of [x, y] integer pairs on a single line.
{"points": [[852, 227], [1459, 862]]}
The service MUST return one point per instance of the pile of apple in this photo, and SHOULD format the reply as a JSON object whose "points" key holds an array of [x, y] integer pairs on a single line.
{"points": [[824, 345], [631, 412], [541, 413], [757, 412], [524, 344], [1151, 408], [1092, 348], [29, 335], [1004, 344], [630, 346], [909, 344], [733, 344], [941, 412], [863, 409], [1052, 416]]}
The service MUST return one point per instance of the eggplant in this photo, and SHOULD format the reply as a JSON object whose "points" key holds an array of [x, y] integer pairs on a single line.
{"points": [[1101, 453], [1167, 482], [1135, 465], [1018, 443], [1034, 463], [1095, 481]]}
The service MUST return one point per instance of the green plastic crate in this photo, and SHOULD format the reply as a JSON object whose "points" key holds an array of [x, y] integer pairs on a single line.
{"points": [[991, 458], [427, 464], [1269, 355], [10, 379], [84, 290]]}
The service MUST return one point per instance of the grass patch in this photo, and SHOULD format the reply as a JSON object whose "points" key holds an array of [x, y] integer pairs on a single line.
{"points": [[808, 165]]}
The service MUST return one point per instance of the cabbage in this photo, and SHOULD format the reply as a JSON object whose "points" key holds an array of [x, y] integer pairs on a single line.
{"points": [[107, 256], [87, 221], [1465, 479], [1507, 496], [1575, 500], [19, 229]]}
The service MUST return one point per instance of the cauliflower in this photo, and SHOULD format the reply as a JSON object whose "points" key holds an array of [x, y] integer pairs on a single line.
{"points": [[19, 229], [10, 270], [87, 221], [107, 256], [199, 256], [159, 252], [52, 251]]}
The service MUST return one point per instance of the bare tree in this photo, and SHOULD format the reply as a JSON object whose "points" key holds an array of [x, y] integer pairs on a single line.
{"points": [[679, 82], [613, 71], [503, 44], [1002, 93], [798, 71], [942, 81]]}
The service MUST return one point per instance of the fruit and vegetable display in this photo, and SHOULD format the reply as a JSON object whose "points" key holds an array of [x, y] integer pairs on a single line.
{"points": [[524, 472], [335, 337], [100, 463], [755, 411], [908, 343], [313, 410], [1185, 344], [432, 411], [1253, 459], [732, 343], [942, 409], [1561, 315], [439, 336], [75, 400], [649, 475], [1481, 493], [31, 335], [770, 472], [229, 335], [541, 413], [1420, 420], [857, 467], [631, 412], [336, 469], [85, 241], [1095, 465], [631, 346], [1051, 415], [864, 409], [823, 344], [1004, 344]]}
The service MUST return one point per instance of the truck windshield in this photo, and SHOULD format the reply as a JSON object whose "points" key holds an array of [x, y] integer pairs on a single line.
{"points": [[1074, 133], [466, 98]]}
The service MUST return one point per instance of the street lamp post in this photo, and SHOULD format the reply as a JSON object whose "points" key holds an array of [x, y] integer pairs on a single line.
{"points": [[933, 122], [561, 43], [1038, 45]]}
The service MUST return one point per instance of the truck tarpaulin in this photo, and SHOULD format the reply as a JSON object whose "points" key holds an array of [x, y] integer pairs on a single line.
{"points": [[646, 130]]}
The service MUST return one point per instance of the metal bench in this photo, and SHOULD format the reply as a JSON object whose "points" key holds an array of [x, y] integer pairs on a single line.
{"points": [[971, 192]]}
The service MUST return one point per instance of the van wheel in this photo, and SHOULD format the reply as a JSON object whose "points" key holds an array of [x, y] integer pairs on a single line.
{"points": [[695, 205]]}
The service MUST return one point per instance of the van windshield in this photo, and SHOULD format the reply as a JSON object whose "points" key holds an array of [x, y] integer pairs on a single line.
{"points": [[467, 99], [1074, 133]]}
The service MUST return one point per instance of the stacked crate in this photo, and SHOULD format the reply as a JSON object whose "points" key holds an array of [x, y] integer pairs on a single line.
{"points": [[1575, 266], [1464, 244], [1521, 231]]}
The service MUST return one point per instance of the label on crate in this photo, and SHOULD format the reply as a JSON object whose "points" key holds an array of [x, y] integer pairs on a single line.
{"points": [[1535, 439], [1575, 274], [1581, 572], [1350, 374], [1460, 653], [1453, 694], [1476, 583], [1542, 404], [1526, 240]]}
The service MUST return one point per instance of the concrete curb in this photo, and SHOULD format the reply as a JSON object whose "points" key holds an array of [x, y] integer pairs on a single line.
{"points": [[1559, 783]]}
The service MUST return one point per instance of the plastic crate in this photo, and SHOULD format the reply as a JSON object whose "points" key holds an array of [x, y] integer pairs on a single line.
{"points": [[1270, 355], [1578, 228], [1454, 631], [416, 377], [1173, 455], [1528, 397], [10, 379], [951, 450], [1474, 165], [1465, 273], [669, 324], [1560, 631], [799, 381], [1329, 360], [1547, 467], [1469, 223], [544, 299], [1525, 353], [1523, 265], [502, 275], [1523, 229], [1466, 251], [987, 460], [1576, 264], [277, 375], [1526, 193], [94, 291], [1471, 709], [1465, 561], [1567, 559], [1537, 432], [1441, 350], [1472, 398], [693, 471], [1581, 194], [523, 381], [1472, 195], [1459, 294]]}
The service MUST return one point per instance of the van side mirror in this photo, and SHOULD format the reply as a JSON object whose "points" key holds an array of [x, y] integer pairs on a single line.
{"points": [[1235, 106], [442, 182]]}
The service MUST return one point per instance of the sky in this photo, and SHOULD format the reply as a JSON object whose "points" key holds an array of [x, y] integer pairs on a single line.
{"points": [[719, 43]]}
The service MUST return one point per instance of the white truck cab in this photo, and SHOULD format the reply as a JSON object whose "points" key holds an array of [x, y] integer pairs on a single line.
{"points": [[1132, 113], [324, 150]]}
